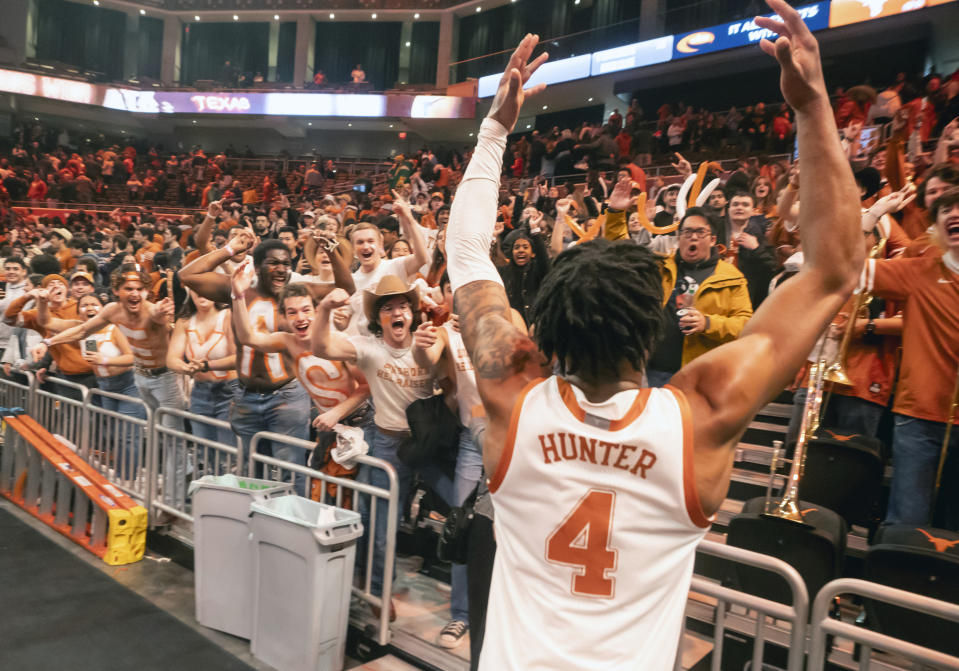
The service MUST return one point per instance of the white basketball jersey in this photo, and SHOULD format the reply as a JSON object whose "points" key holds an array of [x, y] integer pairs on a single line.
{"points": [[597, 522]]}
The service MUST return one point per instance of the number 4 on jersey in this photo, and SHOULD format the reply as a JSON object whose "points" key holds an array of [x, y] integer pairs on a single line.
{"points": [[582, 541]]}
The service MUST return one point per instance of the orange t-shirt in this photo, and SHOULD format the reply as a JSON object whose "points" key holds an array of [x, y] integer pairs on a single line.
{"points": [[930, 339], [67, 262], [67, 356], [147, 265], [872, 368], [924, 245]]}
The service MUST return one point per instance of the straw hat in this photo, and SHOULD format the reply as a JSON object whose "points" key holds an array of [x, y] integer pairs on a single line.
{"points": [[389, 285]]}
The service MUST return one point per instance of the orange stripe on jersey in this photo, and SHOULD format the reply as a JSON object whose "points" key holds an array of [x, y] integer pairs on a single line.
{"points": [[635, 410], [694, 507], [507, 454]]}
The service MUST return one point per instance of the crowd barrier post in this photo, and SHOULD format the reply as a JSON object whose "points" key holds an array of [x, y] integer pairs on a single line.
{"points": [[17, 394], [60, 414], [120, 443], [283, 471], [178, 456], [823, 625], [796, 614]]}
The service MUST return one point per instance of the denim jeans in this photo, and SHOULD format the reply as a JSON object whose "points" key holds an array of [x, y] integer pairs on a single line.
{"points": [[128, 462], [844, 413], [163, 391], [658, 378], [916, 444], [285, 410], [469, 470], [213, 400]]}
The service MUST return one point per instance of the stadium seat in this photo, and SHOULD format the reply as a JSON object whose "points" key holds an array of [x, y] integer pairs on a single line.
{"points": [[923, 560], [844, 474], [815, 551]]}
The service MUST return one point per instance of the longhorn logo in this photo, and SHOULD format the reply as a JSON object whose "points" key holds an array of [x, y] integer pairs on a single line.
{"points": [[941, 544]]}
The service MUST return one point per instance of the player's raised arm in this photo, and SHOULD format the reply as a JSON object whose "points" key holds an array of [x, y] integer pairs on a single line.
{"points": [[727, 386], [504, 358]]}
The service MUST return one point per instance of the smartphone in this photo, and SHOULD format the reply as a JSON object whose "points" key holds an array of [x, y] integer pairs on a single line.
{"points": [[90, 345]]}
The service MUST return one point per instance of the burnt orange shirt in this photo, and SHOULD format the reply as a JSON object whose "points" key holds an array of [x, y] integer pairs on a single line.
{"points": [[144, 263], [67, 356], [930, 339], [67, 262]]}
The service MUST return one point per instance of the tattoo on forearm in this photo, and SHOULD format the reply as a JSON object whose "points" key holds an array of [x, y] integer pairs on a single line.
{"points": [[497, 348]]}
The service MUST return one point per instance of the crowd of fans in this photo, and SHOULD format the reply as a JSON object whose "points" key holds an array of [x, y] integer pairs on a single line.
{"points": [[88, 295]]}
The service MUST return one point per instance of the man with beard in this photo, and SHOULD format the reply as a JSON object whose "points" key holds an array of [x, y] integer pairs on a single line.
{"points": [[390, 363], [270, 398], [706, 302]]}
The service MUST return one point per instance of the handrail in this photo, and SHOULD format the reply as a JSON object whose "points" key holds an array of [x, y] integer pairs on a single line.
{"points": [[823, 625]]}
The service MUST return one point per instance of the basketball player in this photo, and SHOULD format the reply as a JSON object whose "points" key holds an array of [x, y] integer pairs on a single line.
{"points": [[603, 488]]}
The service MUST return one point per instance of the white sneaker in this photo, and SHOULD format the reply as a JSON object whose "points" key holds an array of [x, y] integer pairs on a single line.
{"points": [[452, 634]]}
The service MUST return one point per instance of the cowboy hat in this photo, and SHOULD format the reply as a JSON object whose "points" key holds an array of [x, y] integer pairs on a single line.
{"points": [[388, 286]]}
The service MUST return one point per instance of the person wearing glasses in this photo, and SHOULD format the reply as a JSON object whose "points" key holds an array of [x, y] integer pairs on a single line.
{"points": [[705, 299]]}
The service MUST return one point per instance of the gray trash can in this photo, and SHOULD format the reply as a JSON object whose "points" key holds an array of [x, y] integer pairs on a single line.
{"points": [[223, 553], [303, 574]]}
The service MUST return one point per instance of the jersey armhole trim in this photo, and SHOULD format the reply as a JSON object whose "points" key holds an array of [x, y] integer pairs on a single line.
{"points": [[507, 454], [694, 507]]}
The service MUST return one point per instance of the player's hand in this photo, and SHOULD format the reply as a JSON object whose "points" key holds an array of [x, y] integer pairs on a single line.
{"points": [[693, 321], [335, 299], [326, 421], [797, 52], [682, 166], [425, 336], [622, 196], [510, 95]]}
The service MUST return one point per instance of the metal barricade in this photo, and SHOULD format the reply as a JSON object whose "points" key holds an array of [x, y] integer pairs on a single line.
{"points": [[119, 440], [823, 625], [178, 455], [284, 471], [796, 614], [60, 410], [15, 394]]}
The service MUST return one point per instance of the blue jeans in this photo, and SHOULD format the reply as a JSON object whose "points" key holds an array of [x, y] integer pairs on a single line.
{"points": [[469, 470], [658, 378], [285, 410], [129, 462], [163, 391], [844, 413], [916, 444], [213, 400]]}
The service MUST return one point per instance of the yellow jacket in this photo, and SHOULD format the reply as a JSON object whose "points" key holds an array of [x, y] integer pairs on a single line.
{"points": [[722, 297]]}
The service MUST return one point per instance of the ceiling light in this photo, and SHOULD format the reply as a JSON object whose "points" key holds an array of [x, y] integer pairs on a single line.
{"points": [[350, 125], [276, 17], [416, 16], [391, 125], [374, 15], [575, 2], [236, 18], [529, 125], [545, 107], [143, 12], [196, 18], [96, 2], [332, 16], [309, 123], [589, 100], [194, 121], [407, 44], [479, 9], [471, 135]]}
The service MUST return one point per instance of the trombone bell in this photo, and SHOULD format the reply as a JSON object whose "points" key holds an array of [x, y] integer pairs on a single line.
{"points": [[836, 373]]}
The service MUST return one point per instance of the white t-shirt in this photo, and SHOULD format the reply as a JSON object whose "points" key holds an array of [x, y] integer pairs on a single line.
{"points": [[363, 281], [395, 380]]}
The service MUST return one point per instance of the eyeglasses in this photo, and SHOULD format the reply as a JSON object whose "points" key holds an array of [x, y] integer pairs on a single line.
{"points": [[695, 233]]}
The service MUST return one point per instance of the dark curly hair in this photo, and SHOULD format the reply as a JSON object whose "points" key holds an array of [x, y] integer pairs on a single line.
{"points": [[600, 304], [377, 329]]}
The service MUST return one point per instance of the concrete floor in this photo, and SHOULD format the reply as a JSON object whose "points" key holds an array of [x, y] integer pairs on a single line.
{"points": [[169, 586]]}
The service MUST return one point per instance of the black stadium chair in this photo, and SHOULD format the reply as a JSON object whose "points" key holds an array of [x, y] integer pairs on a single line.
{"points": [[923, 560], [844, 474], [815, 551]]}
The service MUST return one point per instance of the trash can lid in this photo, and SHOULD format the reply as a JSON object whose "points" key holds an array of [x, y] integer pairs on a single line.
{"points": [[233, 482]]}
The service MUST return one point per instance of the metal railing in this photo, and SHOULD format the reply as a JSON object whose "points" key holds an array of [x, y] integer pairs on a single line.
{"points": [[869, 640], [796, 613], [119, 442]]}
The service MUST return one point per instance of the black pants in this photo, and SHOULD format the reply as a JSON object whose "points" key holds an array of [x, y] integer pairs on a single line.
{"points": [[479, 571]]}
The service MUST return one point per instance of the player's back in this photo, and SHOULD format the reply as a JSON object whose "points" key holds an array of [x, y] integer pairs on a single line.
{"points": [[597, 521]]}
